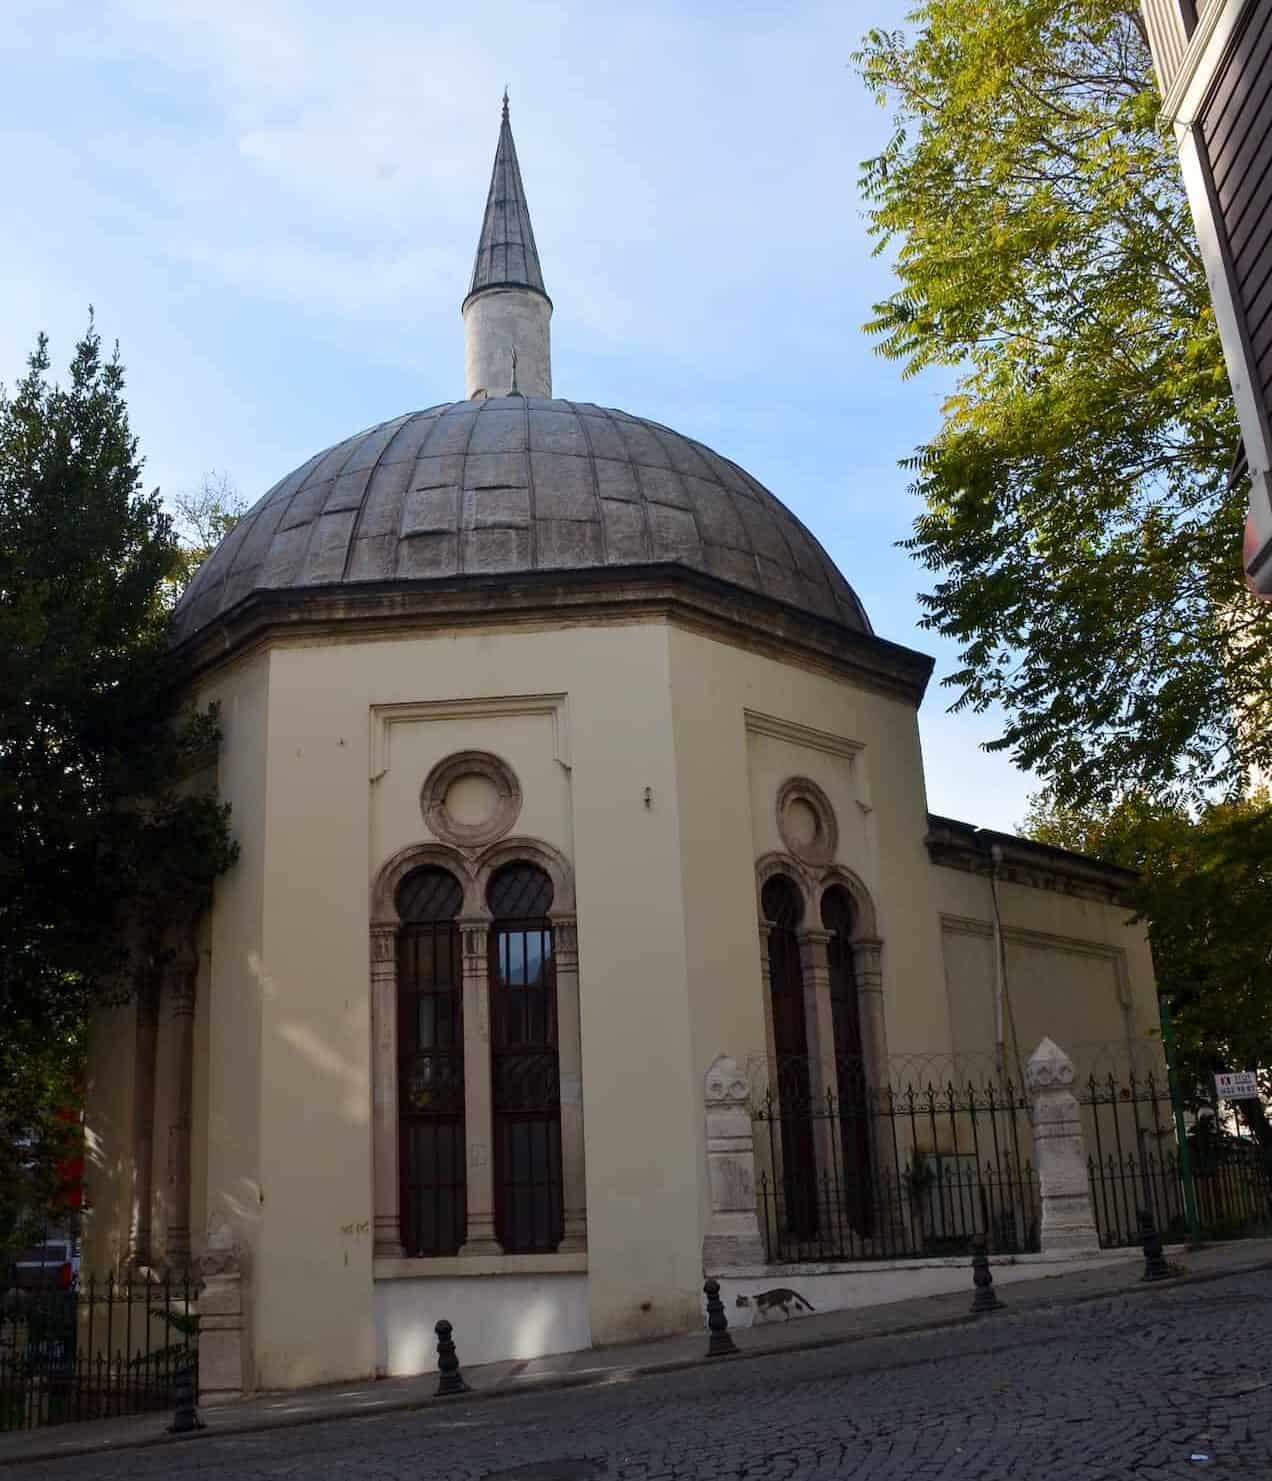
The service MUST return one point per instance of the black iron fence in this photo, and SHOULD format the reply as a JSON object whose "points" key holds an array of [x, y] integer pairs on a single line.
{"points": [[855, 1172], [92, 1350], [1135, 1162]]}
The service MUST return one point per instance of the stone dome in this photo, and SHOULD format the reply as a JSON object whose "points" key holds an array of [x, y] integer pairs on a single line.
{"points": [[513, 485]]}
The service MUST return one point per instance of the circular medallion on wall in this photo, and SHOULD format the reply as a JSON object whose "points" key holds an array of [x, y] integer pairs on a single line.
{"points": [[471, 799], [806, 821]]}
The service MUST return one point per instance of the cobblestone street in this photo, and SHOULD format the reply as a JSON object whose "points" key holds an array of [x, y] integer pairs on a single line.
{"points": [[1124, 1387]]}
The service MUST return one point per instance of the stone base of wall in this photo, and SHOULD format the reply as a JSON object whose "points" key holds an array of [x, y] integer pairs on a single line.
{"points": [[844, 1287], [495, 1317]]}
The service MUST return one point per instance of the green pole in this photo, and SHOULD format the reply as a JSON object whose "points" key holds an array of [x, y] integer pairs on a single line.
{"points": [[1181, 1137]]}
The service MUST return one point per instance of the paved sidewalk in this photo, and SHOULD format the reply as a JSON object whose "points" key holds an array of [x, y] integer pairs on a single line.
{"points": [[619, 1364]]}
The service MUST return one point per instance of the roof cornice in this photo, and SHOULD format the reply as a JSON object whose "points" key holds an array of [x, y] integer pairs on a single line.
{"points": [[1022, 861], [592, 596]]}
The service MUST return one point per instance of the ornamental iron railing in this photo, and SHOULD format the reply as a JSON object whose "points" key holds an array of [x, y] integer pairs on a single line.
{"points": [[919, 1169], [92, 1350], [1134, 1163]]}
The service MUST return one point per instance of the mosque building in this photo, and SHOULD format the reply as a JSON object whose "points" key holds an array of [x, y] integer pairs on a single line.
{"points": [[565, 765]]}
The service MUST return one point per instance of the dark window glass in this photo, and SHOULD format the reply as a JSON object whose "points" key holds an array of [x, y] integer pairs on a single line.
{"points": [[783, 907], [429, 895], [838, 916], [525, 1077], [520, 891], [781, 902], [430, 1065]]}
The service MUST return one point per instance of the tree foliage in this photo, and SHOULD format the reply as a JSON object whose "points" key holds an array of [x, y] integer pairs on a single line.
{"points": [[1078, 517], [103, 842], [203, 518], [1204, 888]]}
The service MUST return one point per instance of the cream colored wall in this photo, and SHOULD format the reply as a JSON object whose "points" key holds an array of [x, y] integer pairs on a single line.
{"points": [[199, 1089], [328, 830], [1077, 971], [728, 778], [879, 803], [225, 1111]]}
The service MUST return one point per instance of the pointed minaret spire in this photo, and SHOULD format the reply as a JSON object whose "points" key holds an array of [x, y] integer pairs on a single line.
{"points": [[507, 307]]}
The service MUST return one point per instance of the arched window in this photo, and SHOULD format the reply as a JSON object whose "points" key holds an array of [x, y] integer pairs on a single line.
{"points": [[783, 909], [838, 915], [525, 1075], [431, 1158]]}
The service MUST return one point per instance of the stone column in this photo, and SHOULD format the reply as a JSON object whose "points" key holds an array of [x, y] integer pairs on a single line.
{"points": [[386, 1214], [143, 1122], [770, 1155], [478, 1116], [1068, 1221], [225, 1368], [867, 967], [183, 980], [570, 1064], [733, 1229]]}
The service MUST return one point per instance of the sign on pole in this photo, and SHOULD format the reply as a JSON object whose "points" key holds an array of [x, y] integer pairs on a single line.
{"points": [[1241, 1085]]}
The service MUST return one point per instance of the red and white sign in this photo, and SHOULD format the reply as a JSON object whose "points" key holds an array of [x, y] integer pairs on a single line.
{"points": [[1242, 1085]]}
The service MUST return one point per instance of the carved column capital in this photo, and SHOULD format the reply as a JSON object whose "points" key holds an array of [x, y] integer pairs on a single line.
{"points": [[867, 964], [383, 950], [565, 940], [474, 934]]}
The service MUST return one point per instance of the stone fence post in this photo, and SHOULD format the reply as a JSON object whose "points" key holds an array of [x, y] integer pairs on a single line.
{"points": [[225, 1368], [1068, 1222], [733, 1231]]}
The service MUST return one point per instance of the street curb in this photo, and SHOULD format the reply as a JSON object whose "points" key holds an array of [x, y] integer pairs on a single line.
{"points": [[555, 1382]]}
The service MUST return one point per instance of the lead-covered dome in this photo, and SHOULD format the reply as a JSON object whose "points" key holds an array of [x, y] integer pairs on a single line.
{"points": [[513, 485]]}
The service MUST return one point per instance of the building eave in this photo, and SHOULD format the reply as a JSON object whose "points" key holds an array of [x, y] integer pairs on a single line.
{"points": [[596, 596]]}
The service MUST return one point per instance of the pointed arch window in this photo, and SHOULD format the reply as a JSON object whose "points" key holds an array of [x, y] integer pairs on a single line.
{"points": [[783, 910], [524, 1065], [838, 915], [431, 1159]]}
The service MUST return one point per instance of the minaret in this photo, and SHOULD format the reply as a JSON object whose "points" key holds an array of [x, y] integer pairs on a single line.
{"points": [[507, 310]]}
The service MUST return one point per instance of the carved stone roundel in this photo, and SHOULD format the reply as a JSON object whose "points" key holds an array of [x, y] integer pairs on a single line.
{"points": [[471, 799], [806, 821]]}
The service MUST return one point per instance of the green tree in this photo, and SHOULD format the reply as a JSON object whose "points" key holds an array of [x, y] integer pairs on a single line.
{"points": [[1078, 516], [203, 518], [102, 840], [1205, 882]]}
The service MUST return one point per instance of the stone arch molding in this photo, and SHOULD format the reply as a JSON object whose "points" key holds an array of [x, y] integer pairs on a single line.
{"points": [[418, 856], [527, 850], [786, 865], [865, 921]]}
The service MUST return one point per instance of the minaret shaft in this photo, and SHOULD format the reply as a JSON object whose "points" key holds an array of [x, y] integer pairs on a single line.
{"points": [[507, 308]]}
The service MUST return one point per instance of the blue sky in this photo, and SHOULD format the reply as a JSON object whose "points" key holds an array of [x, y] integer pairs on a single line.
{"points": [[273, 205]]}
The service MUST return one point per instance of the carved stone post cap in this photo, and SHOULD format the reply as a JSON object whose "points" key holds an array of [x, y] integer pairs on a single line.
{"points": [[725, 1082], [1049, 1067]]}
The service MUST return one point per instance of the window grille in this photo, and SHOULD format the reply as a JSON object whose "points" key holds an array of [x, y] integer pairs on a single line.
{"points": [[525, 1074], [431, 1065]]}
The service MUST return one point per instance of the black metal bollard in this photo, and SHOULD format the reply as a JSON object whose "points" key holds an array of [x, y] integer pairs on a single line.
{"points": [[985, 1298], [1155, 1266], [719, 1343], [185, 1413], [449, 1379]]}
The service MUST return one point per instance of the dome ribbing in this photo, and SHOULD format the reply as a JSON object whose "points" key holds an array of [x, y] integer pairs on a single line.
{"points": [[510, 485]]}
